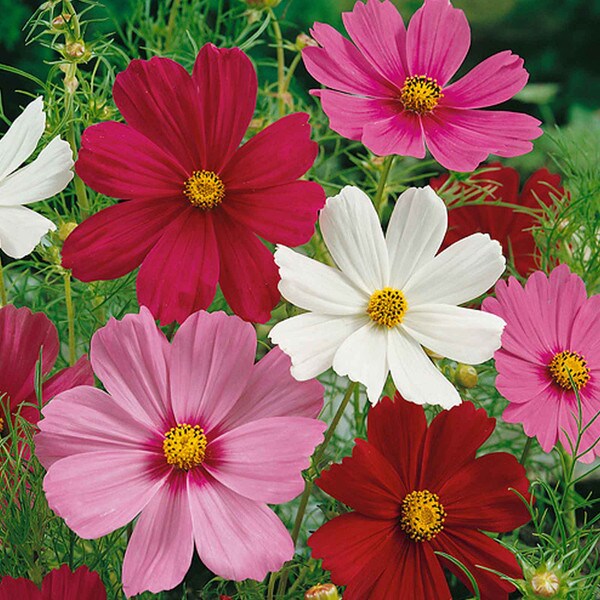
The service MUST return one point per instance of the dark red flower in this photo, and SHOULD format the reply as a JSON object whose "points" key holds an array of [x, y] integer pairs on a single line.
{"points": [[60, 584], [417, 490], [197, 202], [511, 228]]}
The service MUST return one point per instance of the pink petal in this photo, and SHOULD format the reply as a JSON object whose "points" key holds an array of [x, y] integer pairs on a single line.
{"points": [[249, 276], [130, 358], [236, 538], [118, 161], [159, 552], [400, 134], [220, 74], [179, 275], [520, 380], [585, 330], [158, 98], [211, 360], [252, 166], [284, 214], [338, 64], [98, 492], [85, 419], [495, 80], [263, 460], [271, 391], [79, 374], [378, 31], [115, 241], [437, 40]]}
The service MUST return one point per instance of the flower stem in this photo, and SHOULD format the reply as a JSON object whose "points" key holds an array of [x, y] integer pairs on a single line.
{"points": [[526, 450], [70, 317], [280, 63], [291, 70], [568, 465], [171, 24], [3, 299], [387, 166]]}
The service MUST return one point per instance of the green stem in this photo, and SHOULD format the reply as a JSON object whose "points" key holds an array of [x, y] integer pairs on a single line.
{"points": [[526, 450], [568, 465], [70, 317], [280, 62], [291, 70], [3, 299], [171, 25], [271, 586], [387, 166]]}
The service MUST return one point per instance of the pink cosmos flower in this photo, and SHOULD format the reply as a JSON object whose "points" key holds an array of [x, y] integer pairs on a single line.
{"points": [[196, 203], [390, 88], [194, 436], [552, 331]]}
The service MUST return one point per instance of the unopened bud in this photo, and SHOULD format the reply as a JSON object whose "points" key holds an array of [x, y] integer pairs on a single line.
{"points": [[545, 584], [71, 84], [65, 230], [322, 591], [466, 376], [75, 50], [303, 41]]}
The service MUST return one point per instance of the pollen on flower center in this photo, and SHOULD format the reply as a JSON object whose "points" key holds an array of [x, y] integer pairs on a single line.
{"points": [[567, 362], [387, 307], [204, 189], [185, 446], [422, 516], [420, 94]]}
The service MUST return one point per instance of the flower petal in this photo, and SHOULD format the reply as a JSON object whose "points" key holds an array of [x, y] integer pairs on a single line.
{"points": [[21, 230], [415, 232], [66, 585], [400, 134], [462, 272], [353, 236], [23, 589]]}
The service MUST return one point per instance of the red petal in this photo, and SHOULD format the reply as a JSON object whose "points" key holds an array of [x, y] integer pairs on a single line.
{"points": [[23, 589], [541, 186], [82, 583]]}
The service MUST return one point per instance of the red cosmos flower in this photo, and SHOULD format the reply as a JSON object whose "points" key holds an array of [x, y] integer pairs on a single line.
{"points": [[22, 335], [197, 203], [511, 228], [60, 584], [417, 490]]}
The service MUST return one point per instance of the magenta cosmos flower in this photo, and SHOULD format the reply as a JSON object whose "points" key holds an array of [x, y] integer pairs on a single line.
{"points": [[552, 330], [390, 87], [194, 436], [196, 202]]}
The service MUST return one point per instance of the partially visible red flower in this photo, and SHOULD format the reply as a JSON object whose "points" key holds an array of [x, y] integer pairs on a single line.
{"points": [[22, 335], [197, 203], [417, 490], [511, 228], [59, 584]]}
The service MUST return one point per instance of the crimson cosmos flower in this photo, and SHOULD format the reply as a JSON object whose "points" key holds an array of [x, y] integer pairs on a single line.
{"points": [[196, 202], [511, 228], [417, 490]]}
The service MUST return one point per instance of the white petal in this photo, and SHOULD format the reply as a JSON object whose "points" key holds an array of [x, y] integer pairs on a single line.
{"points": [[21, 230], [415, 233], [19, 142], [462, 334], [363, 357], [47, 175], [415, 376], [465, 270], [314, 286], [353, 235], [311, 341]]}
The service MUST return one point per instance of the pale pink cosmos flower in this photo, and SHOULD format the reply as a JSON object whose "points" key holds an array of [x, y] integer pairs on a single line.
{"points": [[551, 341], [193, 437], [390, 86]]}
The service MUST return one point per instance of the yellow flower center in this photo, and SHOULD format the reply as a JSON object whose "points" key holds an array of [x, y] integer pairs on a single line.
{"points": [[185, 446], [565, 363], [420, 94], [204, 189], [387, 307], [423, 515], [1, 424]]}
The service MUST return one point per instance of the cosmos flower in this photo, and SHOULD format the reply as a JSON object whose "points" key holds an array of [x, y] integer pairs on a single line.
{"points": [[389, 297], [391, 90], [552, 335], [193, 437], [510, 227], [197, 203], [417, 490], [21, 229]]}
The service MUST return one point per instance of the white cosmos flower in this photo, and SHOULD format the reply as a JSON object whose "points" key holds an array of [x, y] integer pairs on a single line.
{"points": [[389, 297], [21, 229]]}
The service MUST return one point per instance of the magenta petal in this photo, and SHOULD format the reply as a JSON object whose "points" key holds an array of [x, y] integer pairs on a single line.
{"points": [[118, 161], [77, 585], [211, 360], [236, 538], [520, 380], [98, 492], [437, 40], [130, 358], [21, 589], [495, 80], [378, 31], [160, 550], [263, 460], [79, 374], [273, 392], [179, 275], [400, 134]]}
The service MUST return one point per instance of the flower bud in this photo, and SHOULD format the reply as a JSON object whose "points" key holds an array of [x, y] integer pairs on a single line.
{"points": [[466, 376], [71, 84], [545, 584], [322, 591], [303, 41], [65, 229], [60, 21], [75, 50]]}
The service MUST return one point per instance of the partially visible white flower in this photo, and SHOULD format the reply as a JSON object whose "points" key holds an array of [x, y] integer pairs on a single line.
{"points": [[21, 229], [390, 296]]}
